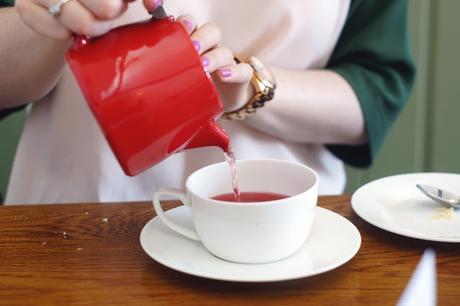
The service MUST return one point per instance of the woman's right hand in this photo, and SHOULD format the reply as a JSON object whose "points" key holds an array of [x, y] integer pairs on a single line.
{"points": [[84, 17]]}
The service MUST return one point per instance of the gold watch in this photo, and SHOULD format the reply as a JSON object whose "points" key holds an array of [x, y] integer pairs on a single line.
{"points": [[264, 85]]}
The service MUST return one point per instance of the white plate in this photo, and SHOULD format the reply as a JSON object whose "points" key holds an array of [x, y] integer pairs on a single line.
{"points": [[332, 242], [394, 204]]}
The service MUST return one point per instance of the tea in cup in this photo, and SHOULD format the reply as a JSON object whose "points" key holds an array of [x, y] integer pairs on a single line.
{"points": [[272, 220]]}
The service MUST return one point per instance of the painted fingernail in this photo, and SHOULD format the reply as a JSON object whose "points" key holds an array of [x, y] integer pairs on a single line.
{"points": [[205, 61], [188, 24], [225, 73], [196, 44], [157, 3]]}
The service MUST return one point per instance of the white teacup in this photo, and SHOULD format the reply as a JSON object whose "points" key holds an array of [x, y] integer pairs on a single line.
{"points": [[255, 232]]}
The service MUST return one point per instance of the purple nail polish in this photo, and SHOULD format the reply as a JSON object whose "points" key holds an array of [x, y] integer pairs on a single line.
{"points": [[196, 44], [205, 61], [157, 3], [188, 24], [225, 73]]}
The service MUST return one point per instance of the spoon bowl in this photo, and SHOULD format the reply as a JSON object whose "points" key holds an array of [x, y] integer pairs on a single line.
{"points": [[440, 196]]}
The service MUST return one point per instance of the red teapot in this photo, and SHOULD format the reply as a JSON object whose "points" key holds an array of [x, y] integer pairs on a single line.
{"points": [[148, 91]]}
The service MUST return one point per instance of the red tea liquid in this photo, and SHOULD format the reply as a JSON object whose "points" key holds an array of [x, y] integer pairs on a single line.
{"points": [[250, 197], [242, 197]]}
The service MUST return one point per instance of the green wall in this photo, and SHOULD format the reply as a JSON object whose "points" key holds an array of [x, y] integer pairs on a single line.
{"points": [[425, 137]]}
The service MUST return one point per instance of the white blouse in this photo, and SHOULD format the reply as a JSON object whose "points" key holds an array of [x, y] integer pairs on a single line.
{"points": [[63, 157]]}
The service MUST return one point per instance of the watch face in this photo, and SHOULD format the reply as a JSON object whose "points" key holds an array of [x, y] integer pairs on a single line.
{"points": [[263, 70]]}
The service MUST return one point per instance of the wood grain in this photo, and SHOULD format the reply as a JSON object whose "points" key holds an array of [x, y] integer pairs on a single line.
{"points": [[86, 254]]}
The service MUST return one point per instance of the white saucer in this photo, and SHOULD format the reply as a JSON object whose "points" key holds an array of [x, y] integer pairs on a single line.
{"points": [[333, 241], [394, 204]]}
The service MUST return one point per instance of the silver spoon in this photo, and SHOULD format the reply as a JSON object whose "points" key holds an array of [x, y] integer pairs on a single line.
{"points": [[440, 196]]}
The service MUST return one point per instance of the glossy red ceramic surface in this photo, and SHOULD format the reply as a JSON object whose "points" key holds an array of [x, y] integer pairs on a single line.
{"points": [[147, 89]]}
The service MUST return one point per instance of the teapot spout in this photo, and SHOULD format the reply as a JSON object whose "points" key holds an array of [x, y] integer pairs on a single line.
{"points": [[210, 135]]}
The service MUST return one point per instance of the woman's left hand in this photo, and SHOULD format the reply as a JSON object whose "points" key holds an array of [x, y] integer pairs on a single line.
{"points": [[232, 80]]}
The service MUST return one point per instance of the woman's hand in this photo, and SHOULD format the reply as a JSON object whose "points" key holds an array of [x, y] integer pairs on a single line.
{"points": [[231, 79], [84, 17], [94, 18]]}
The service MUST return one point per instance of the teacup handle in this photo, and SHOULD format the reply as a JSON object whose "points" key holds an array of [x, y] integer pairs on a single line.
{"points": [[161, 214]]}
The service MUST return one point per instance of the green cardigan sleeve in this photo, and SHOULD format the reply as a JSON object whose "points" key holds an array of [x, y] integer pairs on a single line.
{"points": [[373, 55], [6, 3]]}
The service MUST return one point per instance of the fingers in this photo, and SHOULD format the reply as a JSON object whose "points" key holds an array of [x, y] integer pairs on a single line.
{"points": [[41, 21], [189, 23], [106, 9], [206, 37], [241, 73], [217, 58], [214, 57], [233, 83], [85, 17], [78, 19]]}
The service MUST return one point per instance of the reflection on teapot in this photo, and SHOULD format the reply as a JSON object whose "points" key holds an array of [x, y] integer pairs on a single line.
{"points": [[147, 89]]}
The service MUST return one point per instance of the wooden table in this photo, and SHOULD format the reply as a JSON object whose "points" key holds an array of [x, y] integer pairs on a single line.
{"points": [[90, 254]]}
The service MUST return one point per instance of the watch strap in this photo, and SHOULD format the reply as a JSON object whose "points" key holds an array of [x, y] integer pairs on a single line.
{"points": [[263, 94]]}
